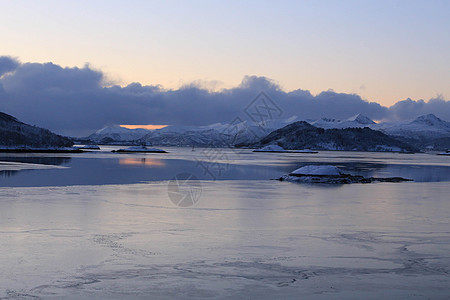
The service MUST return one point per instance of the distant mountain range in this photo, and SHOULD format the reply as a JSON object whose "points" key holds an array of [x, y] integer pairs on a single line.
{"points": [[359, 132], [425, 132], [14, 133], [218, 134], [117, 134], [424, 126]]}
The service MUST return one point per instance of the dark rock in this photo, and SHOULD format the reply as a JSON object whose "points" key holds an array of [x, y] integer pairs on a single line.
{"points": [[14, 133]]}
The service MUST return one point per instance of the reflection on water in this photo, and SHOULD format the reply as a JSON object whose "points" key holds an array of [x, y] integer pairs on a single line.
{"points": [[105, 168], [148, 162], [251, 239], [30, 159], [242, 240], [117, 170], [7, 173]]}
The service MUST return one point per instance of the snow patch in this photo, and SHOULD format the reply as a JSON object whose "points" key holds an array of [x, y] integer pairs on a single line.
{"points": [[271, 148], [324, 170], [90, 147], [142, 149], [279, 149]]}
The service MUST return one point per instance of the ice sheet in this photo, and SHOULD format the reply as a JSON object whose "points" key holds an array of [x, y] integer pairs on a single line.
{"points": [[243, 239]]}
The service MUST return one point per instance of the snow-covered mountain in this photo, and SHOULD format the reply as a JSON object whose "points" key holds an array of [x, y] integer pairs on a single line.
{"points": [[421, 132], [358, 121], [218, 134], [117, 133], [426, 132], [426, 126], [301, 135]]}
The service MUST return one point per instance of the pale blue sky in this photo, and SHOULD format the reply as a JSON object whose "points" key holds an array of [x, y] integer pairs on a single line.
{"points": [[384, 51]]}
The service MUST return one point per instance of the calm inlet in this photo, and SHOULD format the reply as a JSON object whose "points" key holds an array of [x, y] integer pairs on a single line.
{"points": [[103, 225]]}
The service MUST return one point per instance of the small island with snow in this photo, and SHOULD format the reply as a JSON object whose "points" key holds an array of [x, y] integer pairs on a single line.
{"points": [[279, 149], [90, 147], [445, 153], [331, 175], [139, 149]]}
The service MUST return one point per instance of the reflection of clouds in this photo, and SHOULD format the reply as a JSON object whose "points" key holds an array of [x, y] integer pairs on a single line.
{"points": [[148, 162]]}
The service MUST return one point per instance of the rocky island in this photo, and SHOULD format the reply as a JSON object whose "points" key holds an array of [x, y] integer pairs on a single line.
{"points": [[331, 175]]}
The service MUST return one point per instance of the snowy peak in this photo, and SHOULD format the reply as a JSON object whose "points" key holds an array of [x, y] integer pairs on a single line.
{"points": [[117, 133], [301, 135], [108, 129], [184, 129], [424, 128], [431, 120], [326, 123], [219, 134], [361, 119], [244, 132], [352, 122], [117, 129]]}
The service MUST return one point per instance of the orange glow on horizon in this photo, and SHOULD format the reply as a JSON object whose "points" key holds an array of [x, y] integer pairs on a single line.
{"points": [[148, 127]]}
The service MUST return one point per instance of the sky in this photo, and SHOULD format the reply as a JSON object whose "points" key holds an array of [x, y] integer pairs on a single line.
{"points": [[381, 52]]}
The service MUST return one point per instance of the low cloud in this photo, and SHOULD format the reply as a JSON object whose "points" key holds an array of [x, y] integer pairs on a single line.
{"points": [[75, 101], [7, 64], [409, 109]]}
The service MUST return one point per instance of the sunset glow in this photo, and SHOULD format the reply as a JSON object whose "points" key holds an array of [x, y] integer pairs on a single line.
{"points": [[148, 127], [377, 62]]}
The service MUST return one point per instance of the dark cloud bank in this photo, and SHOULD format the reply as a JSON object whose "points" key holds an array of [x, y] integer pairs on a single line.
{"points": [[75, 100]]}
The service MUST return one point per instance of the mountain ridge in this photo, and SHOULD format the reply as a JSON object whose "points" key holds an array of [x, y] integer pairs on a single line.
{"points": [[424, 132], [301, 135], [14, 133]]}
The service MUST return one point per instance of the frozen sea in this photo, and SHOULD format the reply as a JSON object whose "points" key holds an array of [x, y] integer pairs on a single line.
{"points": [[104, 225]]}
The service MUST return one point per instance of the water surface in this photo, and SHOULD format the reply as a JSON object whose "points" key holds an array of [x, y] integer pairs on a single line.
{"points": [[96, 168], [104, 227]]}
